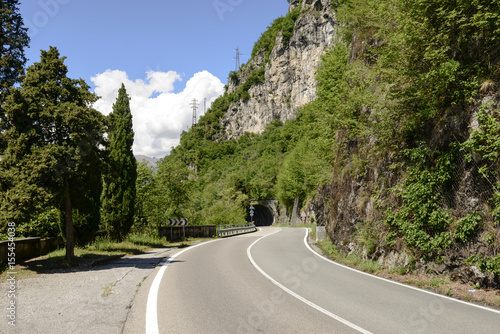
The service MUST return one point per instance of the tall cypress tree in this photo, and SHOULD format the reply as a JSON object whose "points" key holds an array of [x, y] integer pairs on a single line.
{"points": [[119, 188]]}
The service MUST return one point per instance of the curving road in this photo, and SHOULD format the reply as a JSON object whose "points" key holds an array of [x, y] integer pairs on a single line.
{"points": [[271, 282]]}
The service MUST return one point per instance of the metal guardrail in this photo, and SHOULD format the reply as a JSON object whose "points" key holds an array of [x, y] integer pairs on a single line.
{"points": [[229, 230]]}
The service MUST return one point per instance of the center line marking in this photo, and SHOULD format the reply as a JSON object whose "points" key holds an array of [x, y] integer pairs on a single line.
{"points": [[299, 297]]}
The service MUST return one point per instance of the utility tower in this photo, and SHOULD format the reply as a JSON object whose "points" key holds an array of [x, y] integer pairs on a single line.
{"points": [[237, 58], [194, 105]]}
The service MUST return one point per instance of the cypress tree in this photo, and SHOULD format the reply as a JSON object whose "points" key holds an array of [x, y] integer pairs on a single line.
{"points": [[119, 188]]}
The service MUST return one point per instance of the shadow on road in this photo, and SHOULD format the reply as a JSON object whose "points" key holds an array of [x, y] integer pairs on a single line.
{"points": [[92, 262]]}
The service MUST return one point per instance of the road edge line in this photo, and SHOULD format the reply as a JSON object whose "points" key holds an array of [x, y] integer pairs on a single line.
{"points": [[394, 282], [299, 297], [152, 302]]}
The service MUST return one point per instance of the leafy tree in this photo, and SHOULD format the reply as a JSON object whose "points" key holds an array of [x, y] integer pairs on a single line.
{"points": [[53, 138], [174, 185], [118, 196], [13, 39], [144, 195]]}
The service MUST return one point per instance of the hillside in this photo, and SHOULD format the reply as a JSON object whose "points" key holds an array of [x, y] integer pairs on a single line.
{"points": [[380, 119], [151, 162]]}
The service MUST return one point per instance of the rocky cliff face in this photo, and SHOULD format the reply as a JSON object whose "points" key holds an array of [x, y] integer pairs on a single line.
{"points": [[289, 75], [357, 200]]}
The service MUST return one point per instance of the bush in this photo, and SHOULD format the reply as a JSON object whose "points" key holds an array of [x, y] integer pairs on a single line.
{"points": [[467, 226], [45, 225]]}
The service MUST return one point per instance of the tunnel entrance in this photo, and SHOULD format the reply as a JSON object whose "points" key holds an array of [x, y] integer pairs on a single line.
{"points": [[263, 215]]}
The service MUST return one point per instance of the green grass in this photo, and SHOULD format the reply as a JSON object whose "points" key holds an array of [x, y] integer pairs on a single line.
{"points": [[436, 282], [100, 249], [351, 260], [398, 270]]}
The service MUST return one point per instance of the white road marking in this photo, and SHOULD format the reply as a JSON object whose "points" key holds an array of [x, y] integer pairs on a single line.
{"points": [[394, 282], [302, 299], [151, 308]]}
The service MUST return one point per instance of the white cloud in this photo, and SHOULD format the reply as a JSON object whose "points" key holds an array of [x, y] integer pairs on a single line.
{"points": [[159, 114]]}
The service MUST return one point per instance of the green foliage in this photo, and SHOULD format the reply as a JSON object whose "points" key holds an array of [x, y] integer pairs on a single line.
{"points": [[267, 40], [46, 225], [483, 146], [443, 49], [419, 218], [174, 182], [467, 226], [367, 237], [145, 240], [13, 38], [496, 205], [145, 197], [227, 207], [408, 63], [53, 147], [255, 78], [119, 189], [233, 76], [353, 260], [490, 264], [485, 141]]}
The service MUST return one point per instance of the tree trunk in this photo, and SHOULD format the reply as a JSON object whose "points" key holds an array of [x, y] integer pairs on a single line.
{"points": [[70, 240]]}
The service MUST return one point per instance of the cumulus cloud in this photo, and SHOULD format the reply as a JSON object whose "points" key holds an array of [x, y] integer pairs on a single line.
{"points": [[159, 114]]}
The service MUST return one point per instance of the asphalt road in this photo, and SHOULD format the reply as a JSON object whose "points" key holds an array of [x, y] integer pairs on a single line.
{"points": [[271, 282]]}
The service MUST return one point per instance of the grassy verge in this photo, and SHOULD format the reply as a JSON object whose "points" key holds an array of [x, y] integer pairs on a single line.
{"points": [[100, 250], [351, 260]]}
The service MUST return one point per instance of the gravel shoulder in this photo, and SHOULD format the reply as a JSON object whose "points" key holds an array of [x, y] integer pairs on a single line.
{"points": [[91, 299]]}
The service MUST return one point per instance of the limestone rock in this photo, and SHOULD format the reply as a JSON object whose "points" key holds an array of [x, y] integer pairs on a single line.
{"points": [[289, 75]]}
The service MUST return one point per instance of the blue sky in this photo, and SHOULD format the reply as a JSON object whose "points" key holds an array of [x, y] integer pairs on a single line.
{"points": [[166, 52]]}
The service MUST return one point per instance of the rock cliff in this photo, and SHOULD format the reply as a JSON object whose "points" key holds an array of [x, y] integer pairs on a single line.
{"points": [[289, 75], [354, 201]]}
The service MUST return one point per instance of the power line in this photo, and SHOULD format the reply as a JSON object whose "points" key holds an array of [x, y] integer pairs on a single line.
{"points": [[237, 58], [194, 105]]}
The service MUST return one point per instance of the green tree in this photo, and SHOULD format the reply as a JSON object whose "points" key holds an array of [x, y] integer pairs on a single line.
{"points": [[144, 196], [13, 39], [175, 180], [53, 141], [118, 196]]}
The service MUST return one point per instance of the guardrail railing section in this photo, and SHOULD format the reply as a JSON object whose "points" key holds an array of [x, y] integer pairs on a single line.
{"points": [[229, 230]]}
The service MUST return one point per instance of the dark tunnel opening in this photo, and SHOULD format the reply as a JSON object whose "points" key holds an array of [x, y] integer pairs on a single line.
{"points": [[262, 216]]}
